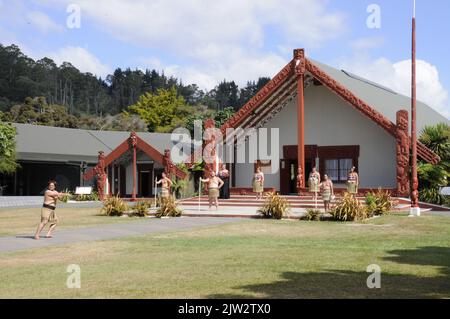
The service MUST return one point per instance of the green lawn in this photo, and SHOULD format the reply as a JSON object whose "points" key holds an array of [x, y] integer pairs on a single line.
{"points": [[15, 221], [254, 258]]}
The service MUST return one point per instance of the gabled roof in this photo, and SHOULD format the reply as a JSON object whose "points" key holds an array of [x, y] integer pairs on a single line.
{"points": [[381, 98], [46, 143], [272, 98], [142, 145]]}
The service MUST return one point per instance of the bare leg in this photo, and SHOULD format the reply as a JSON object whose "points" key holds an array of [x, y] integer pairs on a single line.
{"points": [[39, 229], [210, 203], [217, 204], [50, 230]]}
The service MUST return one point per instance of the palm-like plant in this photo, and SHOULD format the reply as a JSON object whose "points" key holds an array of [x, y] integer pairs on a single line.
{"points": [[432, 177], [437, 139]]}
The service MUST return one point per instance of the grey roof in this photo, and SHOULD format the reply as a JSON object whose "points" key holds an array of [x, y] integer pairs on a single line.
{"points": [[384, 100], [45, 143]]}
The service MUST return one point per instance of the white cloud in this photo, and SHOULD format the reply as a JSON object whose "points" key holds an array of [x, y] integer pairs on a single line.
{"points": [[42, 22], [82, 59], [397, 76], [365, 44], [214, 40]]}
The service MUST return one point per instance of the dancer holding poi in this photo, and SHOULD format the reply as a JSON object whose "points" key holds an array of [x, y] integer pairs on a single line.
{"points": [[352, 182], [214, 185], [166, 183], [327, 191], [314, 182], [258, 183]]}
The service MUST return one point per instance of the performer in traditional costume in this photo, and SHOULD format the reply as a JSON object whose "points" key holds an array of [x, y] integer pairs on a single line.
{"points": [[48, 214], [352, 182], [299, 180], [314, 182], [214, 185], [224, 175], [258, 183], [166, 184], [327, 192]]}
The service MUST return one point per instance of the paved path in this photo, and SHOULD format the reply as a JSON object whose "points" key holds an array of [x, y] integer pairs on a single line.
{"points": [[36, 201], [147, 226]]}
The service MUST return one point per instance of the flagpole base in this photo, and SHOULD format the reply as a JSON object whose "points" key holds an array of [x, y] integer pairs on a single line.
{"points": [[414, 212]]}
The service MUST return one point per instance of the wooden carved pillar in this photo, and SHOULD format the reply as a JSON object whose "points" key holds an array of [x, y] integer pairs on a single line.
{"points": [[300, 68], [100, 175], [415, 180], [209, 149], [168, 164], [133, 142], [402, 138]]}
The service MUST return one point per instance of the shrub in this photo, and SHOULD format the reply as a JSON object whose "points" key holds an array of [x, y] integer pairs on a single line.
{"points": [[313, 214], [169, 208], [66, 198], [141, 208], [275, 207], [432, 196], [114, 206], [349, 209], [378, 203]]}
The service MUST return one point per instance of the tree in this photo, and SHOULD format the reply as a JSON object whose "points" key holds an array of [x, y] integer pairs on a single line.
{"points": [[8, 163], [37, 111], [118, 122], [162, 111]]}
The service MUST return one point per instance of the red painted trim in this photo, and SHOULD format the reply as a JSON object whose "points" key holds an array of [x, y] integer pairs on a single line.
{"points": [[299, 57], [365, 109], [125, 146], [270, 88], [115, 154]]}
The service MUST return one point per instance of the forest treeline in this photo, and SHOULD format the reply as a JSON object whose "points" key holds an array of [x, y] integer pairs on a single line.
{"points": [[42, 92]]}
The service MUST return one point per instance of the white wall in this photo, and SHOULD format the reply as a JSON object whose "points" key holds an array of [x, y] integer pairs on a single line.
{"points": [[329, 121]]}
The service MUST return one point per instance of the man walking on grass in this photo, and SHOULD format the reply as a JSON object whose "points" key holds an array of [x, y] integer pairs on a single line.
{"points": [[48, 210]]}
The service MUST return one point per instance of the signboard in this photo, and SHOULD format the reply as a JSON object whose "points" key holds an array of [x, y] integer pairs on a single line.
{"points": [[87, 190]]}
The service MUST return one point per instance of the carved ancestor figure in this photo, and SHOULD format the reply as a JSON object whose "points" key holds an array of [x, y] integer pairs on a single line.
{"points": [[100, 174], [415, 193], [299, 180], [403, 144], [133, 139], [169, 167]]}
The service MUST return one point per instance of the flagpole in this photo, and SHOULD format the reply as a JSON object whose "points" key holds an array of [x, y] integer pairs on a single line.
{"points": [[415, 209]]}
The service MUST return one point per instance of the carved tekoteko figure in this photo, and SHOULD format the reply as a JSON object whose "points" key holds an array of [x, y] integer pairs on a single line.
{"points": [[403, 146], [100, 174], [299, 180], [133, 139]]}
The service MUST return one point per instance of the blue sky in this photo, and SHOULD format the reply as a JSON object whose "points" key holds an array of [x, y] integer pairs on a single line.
{"points": [[207, 41]]}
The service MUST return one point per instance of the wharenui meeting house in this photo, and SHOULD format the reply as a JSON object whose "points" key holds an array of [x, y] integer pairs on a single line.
{"points": [[327, 118]]}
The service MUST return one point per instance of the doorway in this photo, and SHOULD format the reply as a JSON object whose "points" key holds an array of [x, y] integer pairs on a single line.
{"points": [[145, 178]]}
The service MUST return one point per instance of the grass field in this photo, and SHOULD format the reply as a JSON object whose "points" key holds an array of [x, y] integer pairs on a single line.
{"points": [[249, 259], [15, 221]]}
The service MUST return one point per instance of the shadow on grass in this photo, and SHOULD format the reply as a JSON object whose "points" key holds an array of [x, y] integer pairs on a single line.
{"points": [[352, 284]]}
